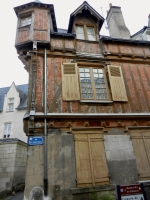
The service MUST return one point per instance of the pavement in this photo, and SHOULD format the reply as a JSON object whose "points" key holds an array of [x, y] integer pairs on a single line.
{"points": [[18, 196]]}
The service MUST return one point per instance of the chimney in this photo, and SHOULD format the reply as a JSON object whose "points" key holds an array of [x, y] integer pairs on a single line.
{"points": [[149, 20], [116, 23]]}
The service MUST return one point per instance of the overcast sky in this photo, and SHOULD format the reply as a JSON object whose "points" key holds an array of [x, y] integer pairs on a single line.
{"points": [[135, 14]]}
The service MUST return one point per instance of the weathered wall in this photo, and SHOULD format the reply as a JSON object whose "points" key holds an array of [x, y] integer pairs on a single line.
{"points": [[136, 78], [120, 158], [39, 29], [61, 165], [13, 155]]}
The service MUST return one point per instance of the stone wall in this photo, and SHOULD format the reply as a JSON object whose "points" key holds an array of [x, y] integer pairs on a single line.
{"points": [[120, 159], [13, 155]]}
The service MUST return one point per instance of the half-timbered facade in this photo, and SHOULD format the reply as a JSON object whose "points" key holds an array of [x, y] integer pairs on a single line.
{"points": [[88, 97]]}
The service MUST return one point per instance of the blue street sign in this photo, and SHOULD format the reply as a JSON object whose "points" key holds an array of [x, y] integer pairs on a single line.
{"points": [[32, 141]]}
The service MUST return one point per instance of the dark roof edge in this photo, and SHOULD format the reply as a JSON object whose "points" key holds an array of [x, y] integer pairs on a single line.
{"points": [[106, 38], [72, 35]]}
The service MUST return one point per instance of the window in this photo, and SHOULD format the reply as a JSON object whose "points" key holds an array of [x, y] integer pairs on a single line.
{"points": [[11, 104], [91, 83], [26, 21], [84, 32], [7, 130], [141, 145], [91, 166], [90, 33]]}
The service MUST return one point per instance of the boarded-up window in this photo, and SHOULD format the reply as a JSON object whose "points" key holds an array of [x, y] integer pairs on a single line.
{"points": [[91, 167], [141, 145], [117, 83], [70, 85]]}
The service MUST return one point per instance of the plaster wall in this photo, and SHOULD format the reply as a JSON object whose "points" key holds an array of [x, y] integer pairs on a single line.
{"points": [[15, 117], [120, 159]]}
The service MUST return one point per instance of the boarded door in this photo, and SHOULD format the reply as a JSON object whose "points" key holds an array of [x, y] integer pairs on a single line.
{"points": [[141, 145], [91, 164]]}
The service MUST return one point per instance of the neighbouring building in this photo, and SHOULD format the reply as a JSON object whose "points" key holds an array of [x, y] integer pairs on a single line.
{"points": [[89, 98], [13, 141]]}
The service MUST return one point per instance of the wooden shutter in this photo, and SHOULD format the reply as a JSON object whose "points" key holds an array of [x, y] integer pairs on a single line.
{"points": [[70, 85], [117, 83], [141, 145], [91, 167]]}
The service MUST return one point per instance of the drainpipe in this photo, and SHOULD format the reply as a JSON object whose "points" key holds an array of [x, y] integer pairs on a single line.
{"points": [[45, 125]]}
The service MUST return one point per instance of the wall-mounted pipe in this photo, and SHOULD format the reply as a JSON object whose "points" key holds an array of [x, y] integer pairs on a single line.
{"points": [[45, 125]]}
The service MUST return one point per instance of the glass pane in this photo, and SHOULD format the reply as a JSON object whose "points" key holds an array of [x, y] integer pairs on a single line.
{"points": [[102, 85], [89, 85], [79, 29], [23, 22], [83, 84], [97, 90], [84, 96], [91, 35], [80, 36], [103, 91], [100, 71], [83, 90], [90, 96], [101, 75], [11, 100], [95, 75], [81, 74], [89, 90], [95, 70], [11, 107], [81, 69], [87, 70], [101, 80], [88, 80], [29, 20], [87, 74], [97, 85], [82, 79], [90, 31]]}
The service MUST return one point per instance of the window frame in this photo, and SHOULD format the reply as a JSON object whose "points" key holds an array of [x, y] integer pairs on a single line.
{"points": [[93, 84], [11, 103], [85, 31], [26, 19], [8, 129]]}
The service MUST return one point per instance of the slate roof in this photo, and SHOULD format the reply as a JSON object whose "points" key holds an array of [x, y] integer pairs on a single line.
{"points": [[23, 91]]}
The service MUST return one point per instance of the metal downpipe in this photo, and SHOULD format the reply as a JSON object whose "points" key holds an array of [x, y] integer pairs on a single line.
{"points": [[45, 125]]}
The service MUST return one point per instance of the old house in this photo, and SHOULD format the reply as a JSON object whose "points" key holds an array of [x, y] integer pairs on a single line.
{"points": [[89, 99], [13, 141]]}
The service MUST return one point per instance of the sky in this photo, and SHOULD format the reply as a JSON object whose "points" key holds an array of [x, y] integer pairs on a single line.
{"points": [[135, 15]]}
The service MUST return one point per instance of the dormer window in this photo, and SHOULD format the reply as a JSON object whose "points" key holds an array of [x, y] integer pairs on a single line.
{"points": [[26, 21], [11, 105], [85, 33]]}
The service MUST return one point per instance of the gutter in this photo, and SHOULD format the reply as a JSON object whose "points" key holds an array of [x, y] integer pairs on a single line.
{"points": [[87, 115], [45, 180]]}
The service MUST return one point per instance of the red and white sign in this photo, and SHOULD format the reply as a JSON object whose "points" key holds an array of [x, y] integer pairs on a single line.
{"points": [[130, 189]]}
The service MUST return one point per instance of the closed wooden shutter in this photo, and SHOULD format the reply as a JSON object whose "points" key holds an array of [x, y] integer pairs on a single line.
{"points": [[141, 145], [117, 83], [91, 167], [70, 85]]}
